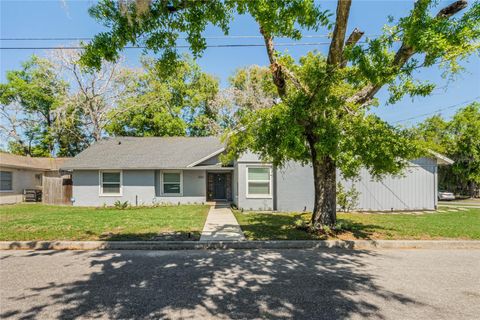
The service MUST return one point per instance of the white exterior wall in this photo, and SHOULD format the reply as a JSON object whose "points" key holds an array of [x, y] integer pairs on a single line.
{"points": [[243, 201], [21, 179], [194, 188], [138, 186], [415, 190]]}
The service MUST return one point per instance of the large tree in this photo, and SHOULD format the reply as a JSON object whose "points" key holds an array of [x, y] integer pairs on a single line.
{"points": [[322, 116], [465, 128], [173, 101], [92, 95], [28, 99], [459, 139]]}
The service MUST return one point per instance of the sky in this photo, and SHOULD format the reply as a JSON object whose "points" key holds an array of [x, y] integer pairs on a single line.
{"points": [[70, 19]]}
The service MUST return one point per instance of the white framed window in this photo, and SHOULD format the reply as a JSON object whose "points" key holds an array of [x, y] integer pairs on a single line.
{"points": [[6, 181], [172, 183], [111, 183], [259, 182]]}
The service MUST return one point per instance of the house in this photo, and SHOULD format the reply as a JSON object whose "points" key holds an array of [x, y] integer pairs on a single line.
{"points": [[20, 173], [145, 171]]}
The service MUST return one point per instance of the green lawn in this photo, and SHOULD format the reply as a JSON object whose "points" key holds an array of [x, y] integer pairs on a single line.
{"points": [[42, 222], [448, 225]]}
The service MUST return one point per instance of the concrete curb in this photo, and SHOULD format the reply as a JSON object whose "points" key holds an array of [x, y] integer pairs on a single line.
{"points": [[223, 245]]}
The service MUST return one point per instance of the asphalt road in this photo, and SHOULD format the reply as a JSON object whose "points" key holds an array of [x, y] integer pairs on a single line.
{"points": [[241, 284]]}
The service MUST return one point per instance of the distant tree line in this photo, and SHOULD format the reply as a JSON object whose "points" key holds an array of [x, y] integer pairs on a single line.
{"points": [[458, 139], [56, 106]]}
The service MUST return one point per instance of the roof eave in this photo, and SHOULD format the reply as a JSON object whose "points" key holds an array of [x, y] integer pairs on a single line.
{"points": [[441, 159]]}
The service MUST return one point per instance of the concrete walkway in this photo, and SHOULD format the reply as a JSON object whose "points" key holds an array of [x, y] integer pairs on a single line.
{"points": [[221, 225]]}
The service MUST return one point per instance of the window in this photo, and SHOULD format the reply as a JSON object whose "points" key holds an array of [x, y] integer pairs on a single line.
{"points": [[172, 182], [111, 183], [259, 182], [6, 181]]}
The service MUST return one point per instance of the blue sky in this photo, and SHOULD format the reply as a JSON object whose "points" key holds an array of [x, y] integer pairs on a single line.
{"points": [[57, 19]]}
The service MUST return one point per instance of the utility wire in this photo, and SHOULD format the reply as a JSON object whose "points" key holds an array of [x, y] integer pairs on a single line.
{"points": [[438, 110], [280, 44], [313, 36]]}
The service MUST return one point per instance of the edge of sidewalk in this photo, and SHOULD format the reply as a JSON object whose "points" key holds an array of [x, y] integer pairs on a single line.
{"points": [[225, 245]]}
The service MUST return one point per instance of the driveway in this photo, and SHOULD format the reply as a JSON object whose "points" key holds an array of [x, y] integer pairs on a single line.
{"points": [[241, 284]]}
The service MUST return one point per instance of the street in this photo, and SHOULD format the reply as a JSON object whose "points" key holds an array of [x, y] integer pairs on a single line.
{"points": [[241, 284]]}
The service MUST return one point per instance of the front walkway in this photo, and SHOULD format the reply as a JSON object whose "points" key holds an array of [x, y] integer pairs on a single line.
{"points": [[221, 225]]}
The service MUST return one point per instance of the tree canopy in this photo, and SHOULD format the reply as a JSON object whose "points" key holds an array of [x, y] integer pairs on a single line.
{"points": [[459, 139], [28, 99], [168, 102], [323, 115]]}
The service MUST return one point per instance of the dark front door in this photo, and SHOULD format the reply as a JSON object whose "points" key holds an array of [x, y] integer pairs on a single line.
{"points": [[219, 187]]}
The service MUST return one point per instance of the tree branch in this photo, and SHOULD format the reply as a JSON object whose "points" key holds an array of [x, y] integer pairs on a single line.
{"points": [[404, 53], [352, 40], [335, 52], [277, 72], [280, 73]]}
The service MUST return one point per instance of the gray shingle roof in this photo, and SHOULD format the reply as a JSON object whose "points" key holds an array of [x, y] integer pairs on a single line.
{"points": [[145, 153]]}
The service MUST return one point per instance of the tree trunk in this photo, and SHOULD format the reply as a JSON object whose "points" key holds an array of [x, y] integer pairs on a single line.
{"points": [[324, 179], [325, 206]]}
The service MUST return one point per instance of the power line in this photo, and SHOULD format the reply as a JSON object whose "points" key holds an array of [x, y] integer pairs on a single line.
{"points": [[238, 45], [438, 110], [313, 36]]}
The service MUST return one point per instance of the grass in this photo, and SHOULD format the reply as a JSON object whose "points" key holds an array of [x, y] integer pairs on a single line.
{"points": [[42, 222], [447, 225]]}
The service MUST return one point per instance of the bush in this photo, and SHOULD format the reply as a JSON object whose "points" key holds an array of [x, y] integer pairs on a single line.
{"points": [[301, 224], [120, 205], [347, 199]]}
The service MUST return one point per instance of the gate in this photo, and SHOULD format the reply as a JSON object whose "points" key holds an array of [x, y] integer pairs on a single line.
{"points": [[57, 190]]}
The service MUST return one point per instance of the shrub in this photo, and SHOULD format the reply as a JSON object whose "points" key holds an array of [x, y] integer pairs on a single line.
{"points": [[301, 224], [120, 205], [347, 199]]}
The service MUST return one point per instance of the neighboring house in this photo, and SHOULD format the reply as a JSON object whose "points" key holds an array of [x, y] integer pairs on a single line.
{"points": [[18, 173], [145, 171]]}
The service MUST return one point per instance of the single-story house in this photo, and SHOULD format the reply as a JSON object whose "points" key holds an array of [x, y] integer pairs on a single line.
{"points": [[20, 173], [150, 170]]}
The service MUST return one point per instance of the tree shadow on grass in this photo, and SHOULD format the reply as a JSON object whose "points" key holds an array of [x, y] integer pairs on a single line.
{"points": [[270, 226], [358, 230], [273, 226], [239, 284]]}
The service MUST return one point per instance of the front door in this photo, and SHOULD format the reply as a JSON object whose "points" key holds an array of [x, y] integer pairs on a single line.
{"points": [[219, 190]]}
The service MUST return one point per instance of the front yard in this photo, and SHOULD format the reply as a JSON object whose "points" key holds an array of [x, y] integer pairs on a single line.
{"points": [[459, 224], [42, 222]]}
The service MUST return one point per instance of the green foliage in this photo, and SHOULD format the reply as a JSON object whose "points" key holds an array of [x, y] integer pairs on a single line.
{"points": [[301, 224], [120, 205], [37, 90], [458, 139], [433, 133], [168, 102], [159, 24], [347, 199], [320, 119], [433, 40], [465, 128], [352, 137]]}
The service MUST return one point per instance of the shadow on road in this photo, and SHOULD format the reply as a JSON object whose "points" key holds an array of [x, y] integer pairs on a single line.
{"points": [[301, 284]]}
